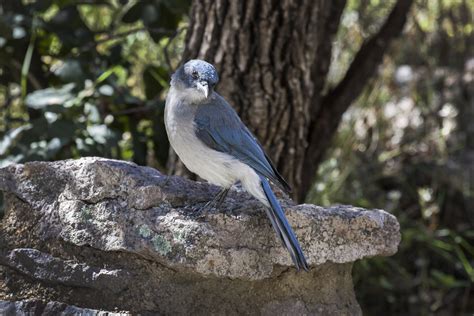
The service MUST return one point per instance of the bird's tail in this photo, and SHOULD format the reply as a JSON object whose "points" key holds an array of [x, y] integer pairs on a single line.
{"points": [[283, 228]]}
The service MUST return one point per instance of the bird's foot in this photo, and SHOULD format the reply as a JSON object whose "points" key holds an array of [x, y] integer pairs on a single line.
{"points": [[216, 202], [202, 211]]}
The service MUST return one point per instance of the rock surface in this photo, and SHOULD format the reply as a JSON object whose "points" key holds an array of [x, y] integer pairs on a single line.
{"points": [[37, 307], [110, 235]]}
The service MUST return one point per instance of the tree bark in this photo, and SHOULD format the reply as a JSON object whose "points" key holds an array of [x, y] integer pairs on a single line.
{"points": [[273, 58]]}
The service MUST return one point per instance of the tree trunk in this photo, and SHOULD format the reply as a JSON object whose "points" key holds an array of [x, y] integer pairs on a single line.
{"points": [[273, 58]]}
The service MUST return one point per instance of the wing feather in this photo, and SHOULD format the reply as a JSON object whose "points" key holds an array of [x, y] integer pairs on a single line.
{"points": [[219, 127]]}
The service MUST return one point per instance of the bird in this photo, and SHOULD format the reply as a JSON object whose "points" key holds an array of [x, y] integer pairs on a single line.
{"points": [[211, 140]]}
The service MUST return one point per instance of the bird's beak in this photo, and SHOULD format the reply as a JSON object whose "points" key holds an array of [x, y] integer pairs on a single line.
{"points": [[203, 87]]}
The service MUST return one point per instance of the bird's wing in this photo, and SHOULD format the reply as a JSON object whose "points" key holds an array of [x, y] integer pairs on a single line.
{"points": [[219, 127]]}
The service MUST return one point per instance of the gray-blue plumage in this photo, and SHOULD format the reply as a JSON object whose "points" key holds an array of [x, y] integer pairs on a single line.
{"points": [[211, 140], [219, 127]]}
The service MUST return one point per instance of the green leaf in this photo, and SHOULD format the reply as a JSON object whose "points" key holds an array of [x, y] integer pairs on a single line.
{"points": [[10, 137], [92, 112], [447, 280], [11, 159], [106, 90], [106, 74], [41, 99], [465, 262], [100, 133]]}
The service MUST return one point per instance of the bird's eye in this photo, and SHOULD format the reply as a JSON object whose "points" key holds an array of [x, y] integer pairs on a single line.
{"points": [[195, 74]]}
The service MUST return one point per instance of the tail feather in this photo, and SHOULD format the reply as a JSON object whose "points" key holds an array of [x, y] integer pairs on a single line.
{"points": [[283, 228]]}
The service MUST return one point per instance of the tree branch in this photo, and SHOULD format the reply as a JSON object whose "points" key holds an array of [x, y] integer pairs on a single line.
{"points": [[367, 59], [326, 118], [327, 30]]}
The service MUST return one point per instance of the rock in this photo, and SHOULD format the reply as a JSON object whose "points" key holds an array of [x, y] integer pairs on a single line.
{"points": [[44, 267], [36, 307], [107, 234]]}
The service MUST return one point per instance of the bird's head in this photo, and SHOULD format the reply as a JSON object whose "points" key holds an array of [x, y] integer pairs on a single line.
{"points": [[197, 78]]}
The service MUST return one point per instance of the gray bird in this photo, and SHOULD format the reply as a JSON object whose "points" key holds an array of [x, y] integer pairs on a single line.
{"points": [[211, 141]]}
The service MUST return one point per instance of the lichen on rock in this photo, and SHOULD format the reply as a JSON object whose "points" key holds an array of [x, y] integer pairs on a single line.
{"points": [[75, 231]]}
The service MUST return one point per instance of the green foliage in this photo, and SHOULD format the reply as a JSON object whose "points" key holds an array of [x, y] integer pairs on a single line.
{"points": [[406, 146], [82, 78]]}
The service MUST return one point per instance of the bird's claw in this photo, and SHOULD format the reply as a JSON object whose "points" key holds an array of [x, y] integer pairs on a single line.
{"points": [[202, 211], [216, 202]]}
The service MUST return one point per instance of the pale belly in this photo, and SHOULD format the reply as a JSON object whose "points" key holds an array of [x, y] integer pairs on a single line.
{"points": [[213, 166], [216, 167]]}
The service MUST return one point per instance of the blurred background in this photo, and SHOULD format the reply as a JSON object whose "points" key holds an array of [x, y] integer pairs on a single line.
{"points": [[89, 78]]}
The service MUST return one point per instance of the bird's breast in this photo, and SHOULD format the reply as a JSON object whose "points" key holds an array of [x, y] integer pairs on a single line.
{"points": [[213, 166]]}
